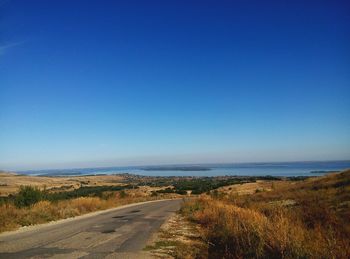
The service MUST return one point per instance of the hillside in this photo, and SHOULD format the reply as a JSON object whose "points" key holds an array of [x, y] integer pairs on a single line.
{"points": [[303, 219]]}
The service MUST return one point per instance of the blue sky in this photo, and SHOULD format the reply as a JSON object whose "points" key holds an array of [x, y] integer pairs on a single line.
{"points": [[103, 83]]}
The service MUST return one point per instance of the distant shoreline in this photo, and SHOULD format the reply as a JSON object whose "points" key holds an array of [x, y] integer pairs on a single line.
{"points": [[176, 168], [324, 171], [307, 168]]}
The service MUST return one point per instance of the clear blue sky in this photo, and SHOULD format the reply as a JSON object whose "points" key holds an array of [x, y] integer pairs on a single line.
{"points": [[102, 83]]}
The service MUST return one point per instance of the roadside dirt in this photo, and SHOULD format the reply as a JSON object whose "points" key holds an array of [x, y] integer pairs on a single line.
{"points": [[177, 238]]}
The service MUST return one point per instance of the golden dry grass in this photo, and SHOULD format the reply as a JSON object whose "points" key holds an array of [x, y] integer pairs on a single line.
{"points": [[45, 211], [11, 182], [247, 188], [308, 219]]}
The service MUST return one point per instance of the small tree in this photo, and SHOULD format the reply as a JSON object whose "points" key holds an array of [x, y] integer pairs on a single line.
{"points": [[28, 195]]}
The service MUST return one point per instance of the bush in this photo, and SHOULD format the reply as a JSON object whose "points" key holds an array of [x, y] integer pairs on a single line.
{"points": [[95, 191], [122, 194], [28, 195], [181, 192]]}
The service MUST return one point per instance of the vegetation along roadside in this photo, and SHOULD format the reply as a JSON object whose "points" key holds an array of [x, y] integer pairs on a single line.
{"points": [[304, 219]]}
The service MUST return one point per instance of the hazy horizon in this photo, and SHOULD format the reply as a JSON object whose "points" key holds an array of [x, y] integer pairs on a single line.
{"points": [[134, 165]]}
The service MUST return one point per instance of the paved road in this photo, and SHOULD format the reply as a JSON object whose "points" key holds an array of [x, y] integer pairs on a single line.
{"points": [[117, 233]]}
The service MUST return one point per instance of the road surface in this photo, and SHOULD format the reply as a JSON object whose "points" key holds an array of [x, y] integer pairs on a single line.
{"points": [[118, 233]]}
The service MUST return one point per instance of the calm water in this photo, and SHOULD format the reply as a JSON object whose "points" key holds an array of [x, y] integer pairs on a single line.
{"points": [[241, 169]]}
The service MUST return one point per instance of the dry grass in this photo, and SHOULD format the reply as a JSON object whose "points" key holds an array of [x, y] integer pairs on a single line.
{"points": [[45, 211], [11, 182], [309, 219], [248, 188]]}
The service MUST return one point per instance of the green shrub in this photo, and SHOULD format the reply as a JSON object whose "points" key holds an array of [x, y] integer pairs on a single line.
{"points": [[86, 191], [28, 195], [181, 192], [123, 194]]}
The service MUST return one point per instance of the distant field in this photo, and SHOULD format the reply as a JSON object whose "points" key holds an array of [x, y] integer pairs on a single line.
{"points": [[10, 183]]}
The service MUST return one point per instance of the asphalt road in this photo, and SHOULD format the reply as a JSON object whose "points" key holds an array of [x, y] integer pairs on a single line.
{"points": [[118, 233]]}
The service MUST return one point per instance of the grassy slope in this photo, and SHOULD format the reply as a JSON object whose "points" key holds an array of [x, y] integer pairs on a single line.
{"points": [[308, 219]]}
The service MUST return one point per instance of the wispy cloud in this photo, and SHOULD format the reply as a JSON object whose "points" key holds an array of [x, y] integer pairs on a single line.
{"points": [[5, 47]]}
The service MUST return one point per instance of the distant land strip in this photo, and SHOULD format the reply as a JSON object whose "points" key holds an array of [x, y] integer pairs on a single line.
{"points": [[176, 168], [323, 172]]}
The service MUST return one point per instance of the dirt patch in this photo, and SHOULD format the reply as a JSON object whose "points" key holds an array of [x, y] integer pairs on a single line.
{"points": [[178, 238]]}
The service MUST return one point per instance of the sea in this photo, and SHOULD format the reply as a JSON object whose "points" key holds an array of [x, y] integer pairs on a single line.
{"points": [[280, 169]]}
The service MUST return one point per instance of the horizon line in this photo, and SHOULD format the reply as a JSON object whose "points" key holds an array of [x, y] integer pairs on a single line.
{"points": [[179, 164]]}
